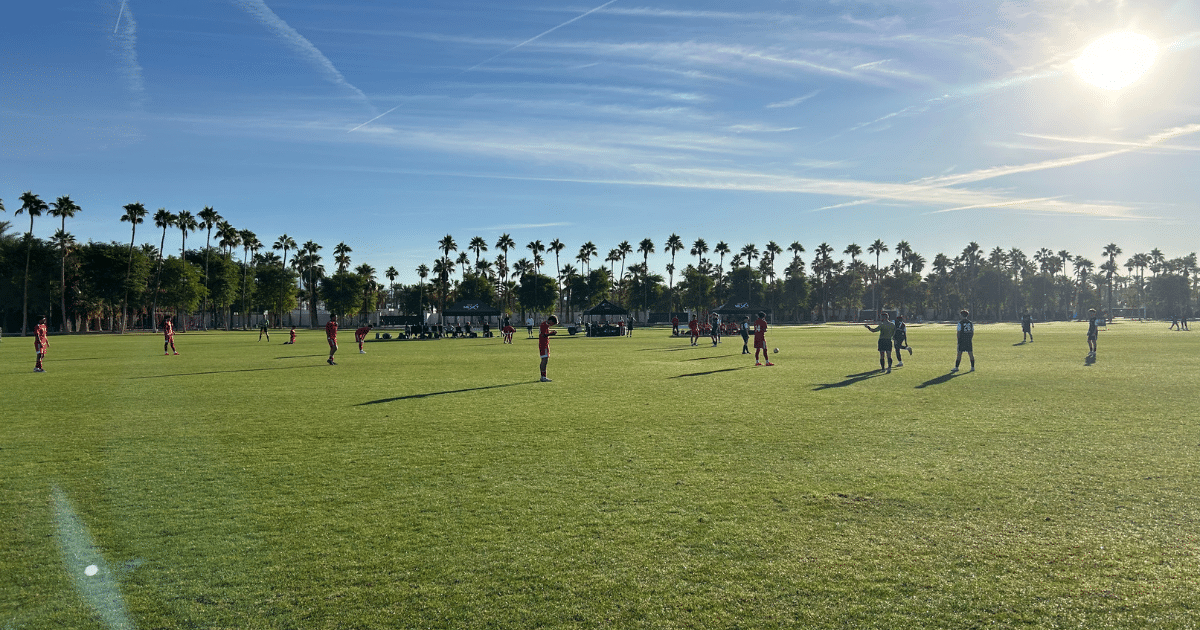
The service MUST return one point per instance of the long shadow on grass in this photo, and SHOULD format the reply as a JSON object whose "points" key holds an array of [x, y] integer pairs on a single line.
{"points": [[1089, 360], [301, 356], [451, 391], [709, 372], [939, 380], [850, 380], [290, 367], [722, 356]]}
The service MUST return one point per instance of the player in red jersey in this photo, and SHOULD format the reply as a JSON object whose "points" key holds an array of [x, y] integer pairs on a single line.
{"points": [[760, 339], [331, 336], [508, 331], [694, 328], [544, 343], [360, 335], [40, 344], [675, 325], [168, 329], [292, 341]]}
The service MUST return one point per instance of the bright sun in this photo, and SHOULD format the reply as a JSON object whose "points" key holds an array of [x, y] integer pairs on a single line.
{"points": [[1114, 61]]}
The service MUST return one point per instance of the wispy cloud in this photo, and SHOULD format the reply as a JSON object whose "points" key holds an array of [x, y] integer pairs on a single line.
{"points": [[524, 226], [259, 10], [124, 42], [793, 102]]}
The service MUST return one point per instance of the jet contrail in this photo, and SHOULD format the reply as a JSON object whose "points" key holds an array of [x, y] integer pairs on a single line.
{"points": [[497, 56], [119, 14]]}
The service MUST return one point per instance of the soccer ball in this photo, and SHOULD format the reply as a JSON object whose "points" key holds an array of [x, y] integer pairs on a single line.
{"points": [[776, 351]]}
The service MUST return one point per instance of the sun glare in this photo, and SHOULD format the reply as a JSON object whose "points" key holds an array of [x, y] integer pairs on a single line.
{"points": [[1114, 61]]}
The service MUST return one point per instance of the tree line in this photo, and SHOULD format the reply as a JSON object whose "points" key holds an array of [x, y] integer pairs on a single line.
{"points": [[235, 279]]}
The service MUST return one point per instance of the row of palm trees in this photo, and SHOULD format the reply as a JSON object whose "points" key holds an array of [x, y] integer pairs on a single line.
{"points": [[825, 272]]}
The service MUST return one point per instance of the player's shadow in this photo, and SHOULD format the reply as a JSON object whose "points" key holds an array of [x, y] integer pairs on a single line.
{"points": [[709, 372], [1019, 344], [449, 391], [723, 356], [290, 367], [301, 356], [945, 378], [1089, 360], [850, 380]]}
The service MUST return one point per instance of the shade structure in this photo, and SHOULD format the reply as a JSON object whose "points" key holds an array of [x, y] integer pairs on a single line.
{"points": [[736, 307], [471, 308], [606, 308]]}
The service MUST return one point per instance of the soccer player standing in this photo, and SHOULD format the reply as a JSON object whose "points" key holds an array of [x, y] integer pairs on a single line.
{"points": [[360, 335], [1093, 332], [263, 330], [745, 330], [715, 332], [40, 343], [900, 340], [168, 329], [966, 335], [331, 337], [886, 330], [694, 328], [1026, 327], [544, 343], [760, 339]]}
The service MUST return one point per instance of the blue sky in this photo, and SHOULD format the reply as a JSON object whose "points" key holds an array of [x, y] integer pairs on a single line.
{"points": [[841, 121]]}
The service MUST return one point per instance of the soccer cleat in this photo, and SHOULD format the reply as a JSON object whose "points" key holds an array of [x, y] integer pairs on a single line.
{"points": [[330, 361], [769, 363], [362, 351], [900, 364], [910, 351], [166, 354], [972, 368], [176, 354], [38, 370], [888, 371], [953, 370], [757, 363], [546, 380]]}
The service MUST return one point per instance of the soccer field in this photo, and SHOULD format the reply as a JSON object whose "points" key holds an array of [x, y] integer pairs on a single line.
{"points": [[437, 484]]}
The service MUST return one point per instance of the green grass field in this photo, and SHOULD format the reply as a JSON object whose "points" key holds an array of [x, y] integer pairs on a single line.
{"points": [[436, 484]]}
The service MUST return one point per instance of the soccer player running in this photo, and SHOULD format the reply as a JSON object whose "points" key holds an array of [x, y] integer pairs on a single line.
{"points": [[1026, 327], [331, 337], [760, 339], [360, 335], [1093, 332], [966, 333], [40, 344], [544, 343], [263, 330], [168, 329], [886, 330], [900, 340]]}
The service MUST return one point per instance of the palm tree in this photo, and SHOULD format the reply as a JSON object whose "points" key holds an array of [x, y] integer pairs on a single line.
{"points": [[249, 241], [537, 248], [447, 245], [229, 237], [341, 256], [186, 223], [586, 252], [63, 208], [674, 245], [479, 246], [699, 249], [1111, 250], [1083, 268], [284, 242], [135, 213], [391, 274], [749, 253], [645, 248], [774, 250], [611, 259], [853, 251], [822, 266], [557, 246], [462, 261], [1065, 257], [422, 273], [877, 248], [505, 243], [624, 249], [33, 205], [163, 219], [208, 220], [1157, 260], [721, 249]]}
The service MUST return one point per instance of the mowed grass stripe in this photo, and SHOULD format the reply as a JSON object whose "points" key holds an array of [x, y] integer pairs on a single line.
{"points": [[437, 484]]}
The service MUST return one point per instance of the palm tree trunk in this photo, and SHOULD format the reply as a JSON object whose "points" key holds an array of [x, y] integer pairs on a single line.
{"points": [[63, 296], [25, 296]]}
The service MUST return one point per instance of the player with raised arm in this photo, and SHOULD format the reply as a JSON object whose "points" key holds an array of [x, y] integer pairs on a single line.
{"points": [[544, 343], [168, 328], [360, 335], [760, 339], [331, 337], [966, 335], [41, 343], [886, 330]]}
